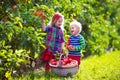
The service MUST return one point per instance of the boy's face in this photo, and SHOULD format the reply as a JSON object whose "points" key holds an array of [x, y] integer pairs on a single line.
{"points": [[74, 29], [59, 22]]}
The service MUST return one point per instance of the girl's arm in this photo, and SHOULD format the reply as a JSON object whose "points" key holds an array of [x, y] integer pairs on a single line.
{"points": [[62, 48], [43, 25]]}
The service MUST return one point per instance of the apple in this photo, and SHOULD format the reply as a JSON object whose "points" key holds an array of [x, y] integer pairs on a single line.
{"points": [[66, 60], [63, 62], [70, 59], [38, 13], [73, 62], [52, 60], [14, 6], [54, 63]]}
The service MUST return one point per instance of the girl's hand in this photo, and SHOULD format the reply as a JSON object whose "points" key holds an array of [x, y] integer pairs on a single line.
{"points": [[63, 51], [43, 17]]}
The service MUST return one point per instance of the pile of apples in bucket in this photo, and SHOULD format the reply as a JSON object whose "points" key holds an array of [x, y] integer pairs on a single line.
{"points": [[63, 62]]}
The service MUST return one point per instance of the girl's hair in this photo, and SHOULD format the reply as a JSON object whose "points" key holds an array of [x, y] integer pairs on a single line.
{"points": [[78, 24], [54, 19]]}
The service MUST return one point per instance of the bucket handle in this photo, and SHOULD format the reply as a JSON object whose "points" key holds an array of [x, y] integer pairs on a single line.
{"points": [[60, 60]]}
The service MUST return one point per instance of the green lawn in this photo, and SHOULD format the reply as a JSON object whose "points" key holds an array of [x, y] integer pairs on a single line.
{"points": [[105, 67]]}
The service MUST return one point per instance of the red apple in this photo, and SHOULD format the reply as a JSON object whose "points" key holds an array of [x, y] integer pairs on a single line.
{"points": [[70, 60], [52, 60], [63, 62], [14, 6], [54, 63], [66, 60], [38, 13]]}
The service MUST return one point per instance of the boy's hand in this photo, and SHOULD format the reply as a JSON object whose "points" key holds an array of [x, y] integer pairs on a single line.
{"points": [[70, 47]]}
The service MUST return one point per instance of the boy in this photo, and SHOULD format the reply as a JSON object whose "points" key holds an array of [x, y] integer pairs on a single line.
{"points": [[75, 42]]}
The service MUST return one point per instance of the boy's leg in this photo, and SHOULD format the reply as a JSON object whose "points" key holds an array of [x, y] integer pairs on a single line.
{"points": [[78, 58]]}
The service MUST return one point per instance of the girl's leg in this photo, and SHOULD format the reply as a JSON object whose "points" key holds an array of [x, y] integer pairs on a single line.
{"points": [[47, 67], [47, 56]]}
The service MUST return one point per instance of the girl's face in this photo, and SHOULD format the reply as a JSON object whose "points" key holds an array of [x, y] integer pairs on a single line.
{"points": [[74, 30], [59, 22]]}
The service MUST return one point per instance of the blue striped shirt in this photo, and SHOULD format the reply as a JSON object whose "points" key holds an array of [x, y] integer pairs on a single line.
{"points": [[78, 42]]}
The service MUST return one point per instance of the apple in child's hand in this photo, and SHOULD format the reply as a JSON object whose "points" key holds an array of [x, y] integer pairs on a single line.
{"points": [[70, 47], [35, 13], [38, 13]]}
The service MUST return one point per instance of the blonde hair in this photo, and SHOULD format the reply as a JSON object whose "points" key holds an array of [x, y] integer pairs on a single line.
{"points": [[54, 19], [78, 24]]}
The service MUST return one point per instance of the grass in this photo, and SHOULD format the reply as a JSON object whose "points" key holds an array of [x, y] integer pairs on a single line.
{"points": [[105, 67]]}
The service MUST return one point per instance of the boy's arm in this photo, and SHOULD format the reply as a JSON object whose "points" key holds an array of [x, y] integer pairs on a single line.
{"points": [[82, 46]]}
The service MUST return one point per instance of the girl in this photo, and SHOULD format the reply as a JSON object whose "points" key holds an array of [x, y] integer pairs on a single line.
{"points": [[75, 42], [54, 39]]}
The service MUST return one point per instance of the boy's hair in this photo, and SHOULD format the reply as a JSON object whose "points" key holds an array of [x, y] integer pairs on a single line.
{"points": [[78, 24], [54, 19]]}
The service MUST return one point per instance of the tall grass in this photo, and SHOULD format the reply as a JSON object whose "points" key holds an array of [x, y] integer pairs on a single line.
{"points": [[105, 67]]}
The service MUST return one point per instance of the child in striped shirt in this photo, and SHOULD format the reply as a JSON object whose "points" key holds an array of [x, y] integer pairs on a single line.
{"points": [[75, 42]]}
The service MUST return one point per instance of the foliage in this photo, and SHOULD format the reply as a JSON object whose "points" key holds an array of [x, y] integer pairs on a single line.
{"points": [[20, 29], [10, 62]]}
